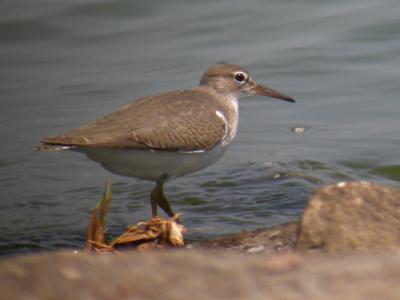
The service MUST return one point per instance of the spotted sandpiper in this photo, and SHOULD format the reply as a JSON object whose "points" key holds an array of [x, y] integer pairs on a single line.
{"points": [[167, 135]]}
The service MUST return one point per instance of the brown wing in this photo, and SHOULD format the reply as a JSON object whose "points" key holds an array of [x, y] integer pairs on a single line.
{"points": [[180, 120]]}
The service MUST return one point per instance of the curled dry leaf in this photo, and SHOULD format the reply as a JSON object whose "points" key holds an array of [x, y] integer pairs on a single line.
{"points": [[157, 233], [161, 231]]}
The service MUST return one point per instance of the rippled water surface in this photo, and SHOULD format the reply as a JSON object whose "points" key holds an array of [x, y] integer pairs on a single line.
{"points": [[64, 63]]}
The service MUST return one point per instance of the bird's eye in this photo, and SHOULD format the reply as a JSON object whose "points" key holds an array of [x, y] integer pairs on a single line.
{"points": [[240, 77]]}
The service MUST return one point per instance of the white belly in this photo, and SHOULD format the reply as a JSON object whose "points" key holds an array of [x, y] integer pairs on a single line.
{"points": [[151, 165]]}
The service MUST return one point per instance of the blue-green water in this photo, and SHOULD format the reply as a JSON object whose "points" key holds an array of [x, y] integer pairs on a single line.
{"points": [[64, 63]]}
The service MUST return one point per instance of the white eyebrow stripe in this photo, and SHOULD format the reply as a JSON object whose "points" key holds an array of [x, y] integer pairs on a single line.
{"points": [[221, 116]]}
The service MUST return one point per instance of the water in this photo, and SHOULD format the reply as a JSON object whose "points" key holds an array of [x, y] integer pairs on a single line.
{"points": [[64, 64]]}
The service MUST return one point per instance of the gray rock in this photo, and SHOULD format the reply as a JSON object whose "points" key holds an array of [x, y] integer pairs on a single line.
{"points": [[351, 216]]}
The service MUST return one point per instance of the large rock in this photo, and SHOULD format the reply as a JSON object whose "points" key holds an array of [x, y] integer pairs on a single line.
{"points": [[200, 275], [353, 215]]}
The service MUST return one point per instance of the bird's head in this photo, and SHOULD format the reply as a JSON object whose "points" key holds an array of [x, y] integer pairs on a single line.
{"points": [[233, 80]]}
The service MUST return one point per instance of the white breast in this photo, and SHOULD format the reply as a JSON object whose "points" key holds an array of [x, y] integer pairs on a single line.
{"points": [[230, 127]]}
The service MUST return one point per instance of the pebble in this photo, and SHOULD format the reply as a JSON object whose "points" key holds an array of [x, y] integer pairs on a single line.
{"points": [[255, 249], [299, 130]]}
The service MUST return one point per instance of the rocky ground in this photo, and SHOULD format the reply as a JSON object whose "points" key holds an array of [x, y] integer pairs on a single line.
{"points": [[345, 246]]}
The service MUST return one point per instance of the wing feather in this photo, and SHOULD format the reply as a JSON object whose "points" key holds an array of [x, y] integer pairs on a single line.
{"points": [[180, 120]]}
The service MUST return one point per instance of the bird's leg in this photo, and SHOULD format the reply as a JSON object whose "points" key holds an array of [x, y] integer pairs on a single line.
{"points": [[157, 197], [153, 199]]}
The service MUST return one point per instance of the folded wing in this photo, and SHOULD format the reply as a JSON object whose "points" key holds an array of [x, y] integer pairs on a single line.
{"points": [[174, 121]]}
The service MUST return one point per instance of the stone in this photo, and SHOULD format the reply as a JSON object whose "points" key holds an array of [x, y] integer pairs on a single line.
{"points": [[194, 274], [351, 216]]}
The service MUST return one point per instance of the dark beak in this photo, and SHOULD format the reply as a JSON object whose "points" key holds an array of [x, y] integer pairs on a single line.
{"points": [[265, 91]]}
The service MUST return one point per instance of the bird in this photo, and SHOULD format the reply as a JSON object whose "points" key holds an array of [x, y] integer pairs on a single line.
{"points": [[168, 135]]}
